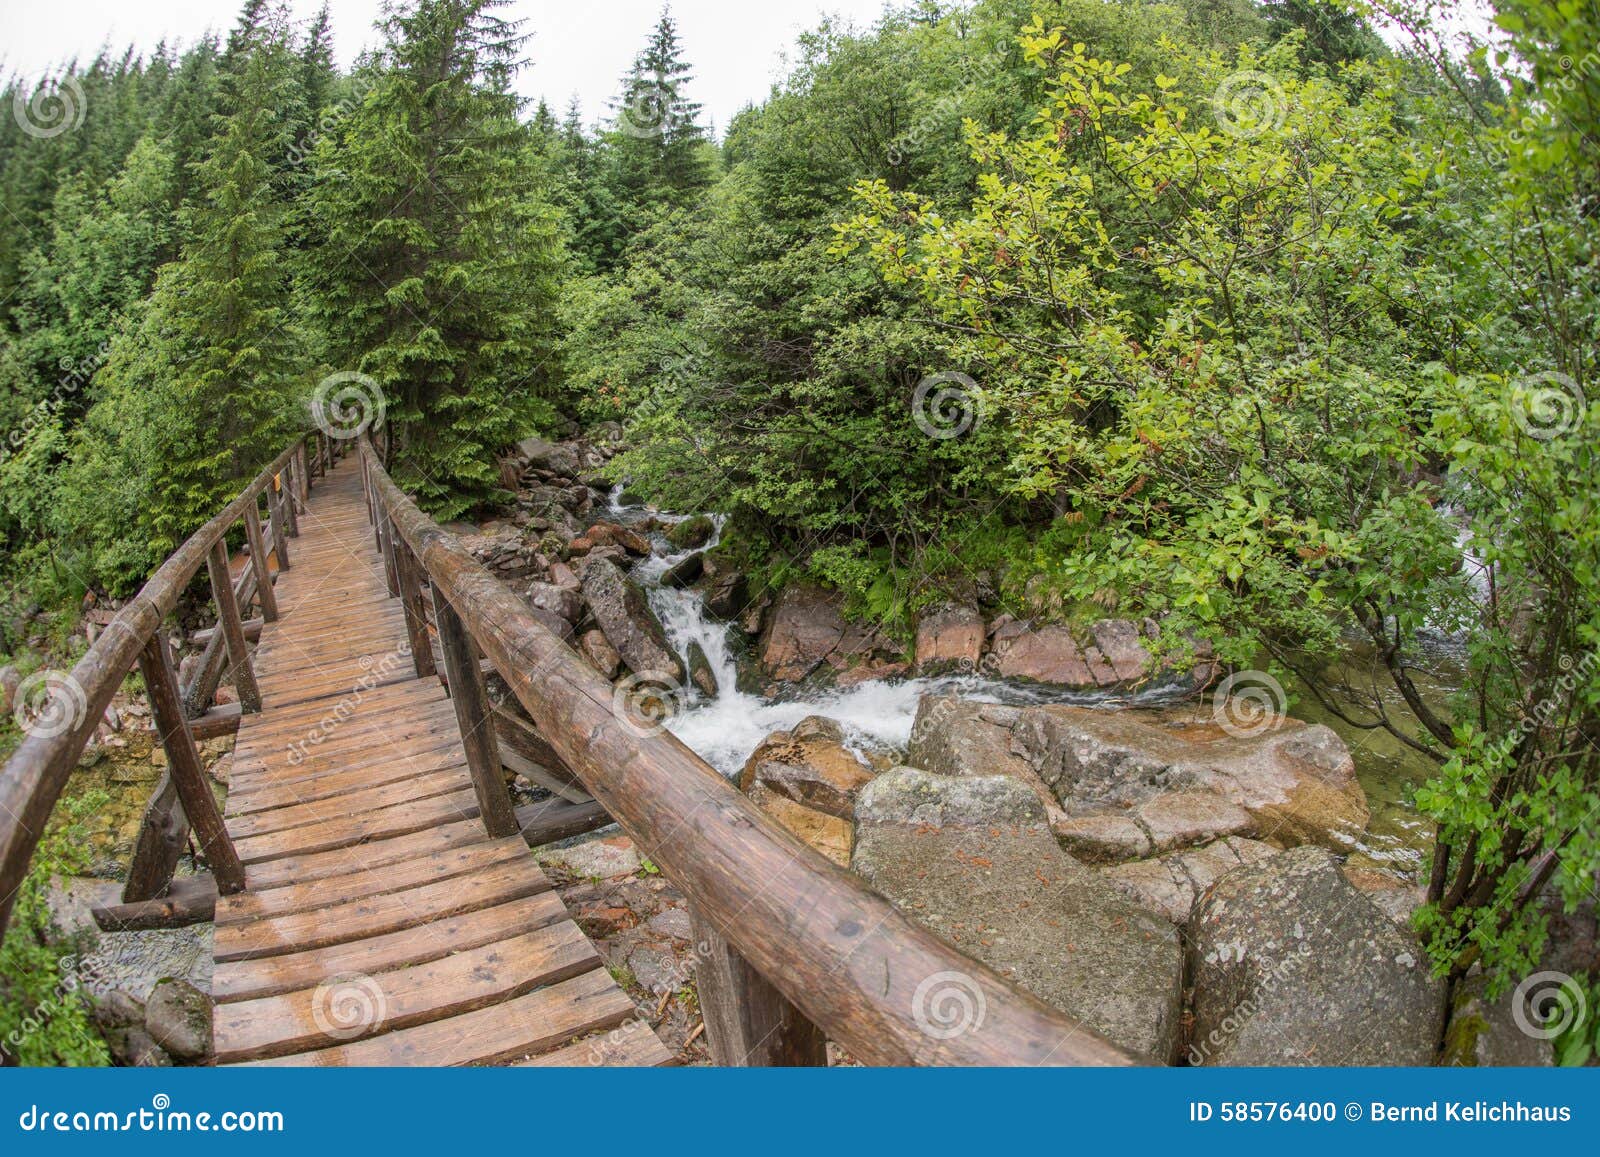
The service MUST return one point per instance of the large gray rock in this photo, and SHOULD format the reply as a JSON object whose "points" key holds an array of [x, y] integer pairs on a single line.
{"points": [[624, 614], [557, 457], [807, 630], [1489, 1033], [561, 601], [1294, 784], [949, 638], [973, 860], [1171, 884], [1291, 965], [177, 1016]]}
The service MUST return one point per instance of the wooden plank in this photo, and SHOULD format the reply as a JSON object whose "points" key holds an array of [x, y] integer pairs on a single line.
{"points": [[632, 1046], [557, 819], [337, 833], [271, 975], [412, 873], [514, 1030], [368, 856], [393, 1001], [265, 798], [163, 836], [378, 915], [299, 815]]}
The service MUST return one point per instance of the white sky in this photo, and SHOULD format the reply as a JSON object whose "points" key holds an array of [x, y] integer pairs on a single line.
{"points": [[734, 46]]}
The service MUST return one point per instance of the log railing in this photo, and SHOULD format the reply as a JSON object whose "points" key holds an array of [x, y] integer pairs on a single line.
{"points": [[34, 777], [792, 950]]}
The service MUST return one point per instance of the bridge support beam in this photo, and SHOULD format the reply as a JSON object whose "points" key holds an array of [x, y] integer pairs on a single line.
{"points": [[232, 629], [258, 562], [476, 720], [749, 1023]]}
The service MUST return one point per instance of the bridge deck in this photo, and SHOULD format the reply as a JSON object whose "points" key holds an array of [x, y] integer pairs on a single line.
{"points": [[381, 925]]}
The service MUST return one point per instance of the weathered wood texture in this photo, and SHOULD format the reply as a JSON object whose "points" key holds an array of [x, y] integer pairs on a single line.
{"points": [[33, 778], [382, 923], [836, 950]]}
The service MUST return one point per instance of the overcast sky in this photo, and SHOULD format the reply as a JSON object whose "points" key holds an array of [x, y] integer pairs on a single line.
{"points": [[579, 46]]}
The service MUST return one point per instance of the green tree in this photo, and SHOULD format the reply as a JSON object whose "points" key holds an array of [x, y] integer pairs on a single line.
{"points": [[439, 275]]}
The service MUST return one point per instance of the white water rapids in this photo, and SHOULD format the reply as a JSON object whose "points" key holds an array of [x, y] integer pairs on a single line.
{"points": [[876, 715]]}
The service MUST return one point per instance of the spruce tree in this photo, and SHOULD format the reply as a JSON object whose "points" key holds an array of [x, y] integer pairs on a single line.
{"points": [[657, 140], [438, 278]]}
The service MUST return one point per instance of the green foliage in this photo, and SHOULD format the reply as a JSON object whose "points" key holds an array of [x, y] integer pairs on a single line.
{"points": [[44, 1014], [437, 275]]}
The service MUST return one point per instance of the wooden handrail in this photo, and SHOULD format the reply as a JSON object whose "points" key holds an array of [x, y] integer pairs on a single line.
{"points": [[34, 777], [774, 912]]}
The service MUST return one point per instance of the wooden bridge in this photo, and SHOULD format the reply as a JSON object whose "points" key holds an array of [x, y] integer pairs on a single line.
{"points": [[371, 884]]}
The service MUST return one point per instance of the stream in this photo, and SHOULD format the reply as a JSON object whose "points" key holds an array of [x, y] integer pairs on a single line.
{"points": [[877, 715]]}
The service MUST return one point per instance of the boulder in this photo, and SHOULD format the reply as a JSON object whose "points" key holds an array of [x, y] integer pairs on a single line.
{"points": [[972, 859], [557, 457], [691, 533], [823, 833], [1488, 1033], [133, 1048], [1171, 884], [1291, 965], [955, 736], [949, 638], [809, 765], [624, 614], [602, 656], [728, 596], [562, 601], [1046, 654], [1293, 784], [177, 1015], [700, 672], [807, 630], [685, 572]]}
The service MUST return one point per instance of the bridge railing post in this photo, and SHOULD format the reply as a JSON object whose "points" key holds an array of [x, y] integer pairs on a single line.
{"points": [[410, 578], [258, 562], [280, 523], [749, 1023], [231, 627], [475, 719], [187, 774]]}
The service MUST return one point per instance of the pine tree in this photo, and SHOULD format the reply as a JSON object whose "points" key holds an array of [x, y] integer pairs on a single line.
{"points": [[657, 140], [438, 278]]}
